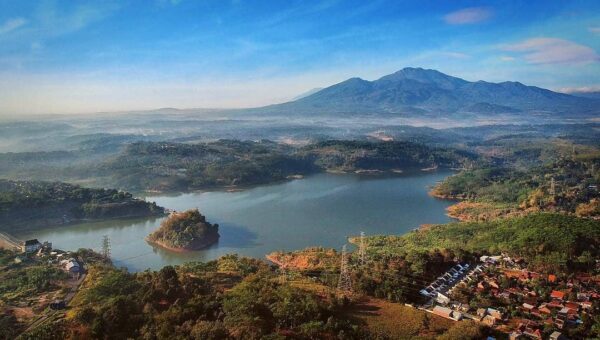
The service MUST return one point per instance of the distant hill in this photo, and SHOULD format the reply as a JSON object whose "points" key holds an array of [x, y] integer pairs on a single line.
{"points": [[430, 93]]}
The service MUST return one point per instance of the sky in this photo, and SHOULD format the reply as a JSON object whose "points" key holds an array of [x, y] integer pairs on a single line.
{"points": [[86, 56]]}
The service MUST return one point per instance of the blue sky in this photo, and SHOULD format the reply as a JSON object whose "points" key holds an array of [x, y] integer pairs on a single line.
{"points": [[85, 56]]}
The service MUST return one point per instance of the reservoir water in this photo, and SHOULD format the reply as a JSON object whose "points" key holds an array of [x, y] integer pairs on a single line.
{"points": [[320, 210]]}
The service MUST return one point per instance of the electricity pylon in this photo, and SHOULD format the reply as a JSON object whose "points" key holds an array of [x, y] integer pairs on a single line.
{"points": [[106, 247], [362, 249], [344, 282]]}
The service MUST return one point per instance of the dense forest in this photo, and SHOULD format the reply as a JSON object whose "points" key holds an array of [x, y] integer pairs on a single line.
{"points": [[168, 166], [540, 177], [187, 230], [229, 298], [25, 204]]}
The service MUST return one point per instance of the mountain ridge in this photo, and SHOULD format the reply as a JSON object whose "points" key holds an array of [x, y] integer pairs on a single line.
{"points": [[417, 91]]}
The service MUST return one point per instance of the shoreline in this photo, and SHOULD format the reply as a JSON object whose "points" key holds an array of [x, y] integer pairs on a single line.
{"points": [[44, 225], [161, 244], [239, 188]]}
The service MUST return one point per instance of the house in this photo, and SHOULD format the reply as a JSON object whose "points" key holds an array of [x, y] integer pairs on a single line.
{"points": [[516, 336], [551, 278], [498, 315], [71, 265], [557, 336], [442, 311], [544, 309], [489, 320], [447, 313], [557, 295], [528, 306], [31, 246], [441, 298], [534, 333], [572, 306]]}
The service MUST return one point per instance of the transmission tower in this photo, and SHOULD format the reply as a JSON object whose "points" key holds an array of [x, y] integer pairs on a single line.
{"points": [[344, 282], [552, 187], [362, 250], [106, 247]]}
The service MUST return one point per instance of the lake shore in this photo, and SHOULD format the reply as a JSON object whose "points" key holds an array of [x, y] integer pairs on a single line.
{"points": [[207, 243]]}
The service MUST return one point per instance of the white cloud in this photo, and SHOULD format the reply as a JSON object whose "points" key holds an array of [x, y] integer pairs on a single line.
{"points": [[554, 51], [583, 89], [595, 30], [456, 55], [507, 58], [11, 25], [469, 15]]}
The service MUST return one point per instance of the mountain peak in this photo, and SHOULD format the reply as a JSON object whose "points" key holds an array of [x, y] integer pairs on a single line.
{"points": [[426, 76]]}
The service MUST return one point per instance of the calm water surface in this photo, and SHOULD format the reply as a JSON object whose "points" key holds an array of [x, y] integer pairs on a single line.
{"points": [[320, 210]]}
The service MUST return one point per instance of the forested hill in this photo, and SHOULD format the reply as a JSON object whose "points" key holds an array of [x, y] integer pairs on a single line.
{"points": [[365, 155], [25, 204], [177, 166]]}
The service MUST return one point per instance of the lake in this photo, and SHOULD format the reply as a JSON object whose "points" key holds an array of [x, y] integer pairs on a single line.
{"points": [[320, 210]]}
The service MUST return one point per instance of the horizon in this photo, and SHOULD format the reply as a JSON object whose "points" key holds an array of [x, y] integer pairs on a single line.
{"points": [[63, 58]]}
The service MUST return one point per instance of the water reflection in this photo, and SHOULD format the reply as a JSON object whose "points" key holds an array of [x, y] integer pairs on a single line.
{"points": [[320, 210]]}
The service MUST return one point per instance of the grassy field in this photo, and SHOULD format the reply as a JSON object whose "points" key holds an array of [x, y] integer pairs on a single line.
{"points": [[396, 321]]}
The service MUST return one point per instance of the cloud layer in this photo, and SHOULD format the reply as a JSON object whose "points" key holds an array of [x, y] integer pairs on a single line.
{"points": [[554, 51], [470, 15]]}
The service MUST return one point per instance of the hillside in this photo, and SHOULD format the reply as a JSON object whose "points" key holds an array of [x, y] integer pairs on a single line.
{"points": [[186, 230], [168, 166], [27, 205], [430, 93]]}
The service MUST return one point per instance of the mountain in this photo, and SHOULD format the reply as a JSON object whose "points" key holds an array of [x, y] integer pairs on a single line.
{"points": [[430, 93], [307, 93]]}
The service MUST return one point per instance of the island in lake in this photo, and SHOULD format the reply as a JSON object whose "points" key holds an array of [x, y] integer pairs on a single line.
{"points": [[186, 230]]}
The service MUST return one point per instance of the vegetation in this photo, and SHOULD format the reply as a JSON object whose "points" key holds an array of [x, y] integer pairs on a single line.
{"points": [[235, 298], [26, 285], [31, 204], [547, 241], [186, 230], [364, 155], [565, 182]]}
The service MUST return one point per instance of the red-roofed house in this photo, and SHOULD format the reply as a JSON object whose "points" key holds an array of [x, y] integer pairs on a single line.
{"points": [[557, 295]]}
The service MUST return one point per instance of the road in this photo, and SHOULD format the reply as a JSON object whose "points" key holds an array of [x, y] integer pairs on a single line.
{"points": [[9, 242], [52, 314]]}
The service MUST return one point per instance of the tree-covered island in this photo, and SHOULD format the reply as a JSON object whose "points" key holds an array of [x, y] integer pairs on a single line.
{"points": [[186, 230]]}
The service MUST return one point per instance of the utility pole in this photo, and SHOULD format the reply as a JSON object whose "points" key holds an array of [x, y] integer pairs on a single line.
{"points": [[106, 247], [552, 187], [344, 282], [362, 250]]}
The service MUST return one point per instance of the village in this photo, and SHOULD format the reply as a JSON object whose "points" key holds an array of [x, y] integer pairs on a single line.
{"points": [[34, 307], [501, 293]]}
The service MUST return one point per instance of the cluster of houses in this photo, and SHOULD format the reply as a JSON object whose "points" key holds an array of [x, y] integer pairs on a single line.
{"points": [[528, 302], [524, 310], [444, 283], [44, 250]]}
